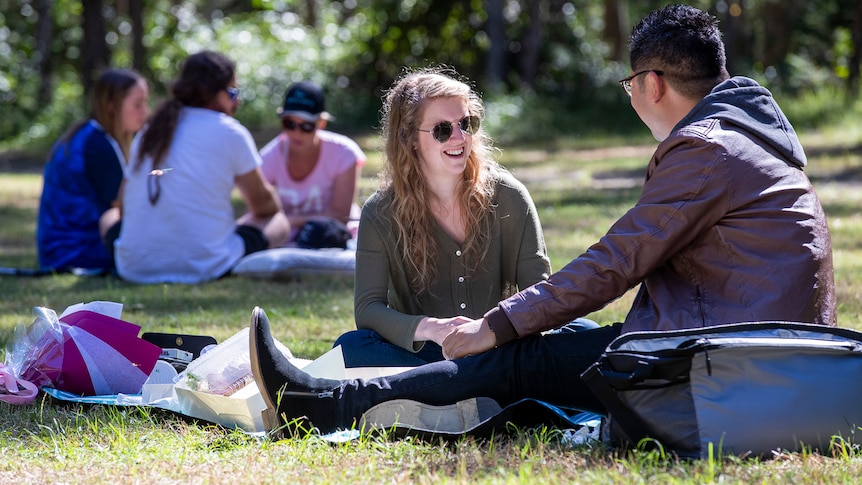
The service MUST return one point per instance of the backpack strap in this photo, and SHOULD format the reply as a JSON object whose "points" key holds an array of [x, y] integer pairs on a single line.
{"points": [[632, 426]]}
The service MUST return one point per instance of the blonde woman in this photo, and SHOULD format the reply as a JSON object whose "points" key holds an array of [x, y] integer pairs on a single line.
{"points": [[448, 234]]}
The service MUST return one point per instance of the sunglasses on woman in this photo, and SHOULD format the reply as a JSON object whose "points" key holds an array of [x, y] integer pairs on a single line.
{"points": [[443, 131], [305, 126]]}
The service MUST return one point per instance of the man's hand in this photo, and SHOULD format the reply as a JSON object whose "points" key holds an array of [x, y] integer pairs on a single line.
{"points": [[469, 338], [437, 329]]}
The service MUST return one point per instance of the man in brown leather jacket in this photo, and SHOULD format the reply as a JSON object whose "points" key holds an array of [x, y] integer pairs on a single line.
{"points": [[727, 229]]}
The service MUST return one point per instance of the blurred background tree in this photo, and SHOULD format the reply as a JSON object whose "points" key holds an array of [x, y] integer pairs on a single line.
{"points": [[546, 67]]}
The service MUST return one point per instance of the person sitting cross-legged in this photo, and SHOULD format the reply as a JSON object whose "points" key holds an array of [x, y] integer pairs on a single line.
{"points": [[449, 233]]}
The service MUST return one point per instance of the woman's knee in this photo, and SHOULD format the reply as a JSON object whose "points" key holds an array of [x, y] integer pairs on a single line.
{"points": [[357, 338]]}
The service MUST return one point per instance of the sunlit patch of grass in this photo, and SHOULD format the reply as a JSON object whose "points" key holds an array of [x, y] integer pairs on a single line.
{"points": [[579, 188]]}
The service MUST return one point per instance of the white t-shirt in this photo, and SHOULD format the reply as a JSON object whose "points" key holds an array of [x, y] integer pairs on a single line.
{"points": [[189, 234], [312, 194]]}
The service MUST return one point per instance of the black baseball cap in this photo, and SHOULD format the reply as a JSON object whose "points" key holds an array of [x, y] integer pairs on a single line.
{"points": [[304, 100]]}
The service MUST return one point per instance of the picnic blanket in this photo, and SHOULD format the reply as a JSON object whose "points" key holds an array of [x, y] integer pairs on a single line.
{"points": [[217, 387]]}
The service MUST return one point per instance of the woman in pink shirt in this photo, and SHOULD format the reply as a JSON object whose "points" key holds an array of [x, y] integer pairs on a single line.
{"points": [[314, 171]]}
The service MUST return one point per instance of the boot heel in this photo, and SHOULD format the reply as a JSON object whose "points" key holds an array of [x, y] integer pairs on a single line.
{"points": [[271, 423]]}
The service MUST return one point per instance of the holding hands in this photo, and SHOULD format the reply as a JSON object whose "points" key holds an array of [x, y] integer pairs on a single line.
{"points": [[437, 329], [468, 338], [458, 336]]}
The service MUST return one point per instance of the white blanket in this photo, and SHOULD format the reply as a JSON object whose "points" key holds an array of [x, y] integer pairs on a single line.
{"points": [[286, 263]]}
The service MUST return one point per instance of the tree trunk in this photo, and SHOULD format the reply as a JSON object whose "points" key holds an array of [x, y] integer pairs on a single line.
{"points": [[94, 49], [495, 66], [529, 61], [734, 32], [44, 37], [311, 15], [139, 52], [616, 25], [778, 32], [856, 57]]}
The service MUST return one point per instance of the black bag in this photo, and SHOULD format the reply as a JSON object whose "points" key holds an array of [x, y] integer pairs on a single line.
{"points": [[189, 343], [323, 233], [739, 389]]}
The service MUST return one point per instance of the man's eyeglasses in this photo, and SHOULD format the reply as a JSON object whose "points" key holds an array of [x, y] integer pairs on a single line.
{"points": [[233, 93], [443, 131], [627, 82], [305, 126]]}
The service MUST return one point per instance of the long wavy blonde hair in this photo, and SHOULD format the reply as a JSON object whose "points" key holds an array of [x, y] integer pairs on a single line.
{"points": [[405, 187]]}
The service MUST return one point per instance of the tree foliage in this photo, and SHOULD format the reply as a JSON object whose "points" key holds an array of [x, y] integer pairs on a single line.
{"points": [[535, 58]]}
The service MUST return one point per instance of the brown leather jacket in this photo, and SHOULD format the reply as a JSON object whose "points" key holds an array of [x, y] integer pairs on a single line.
{"points": [[728, 229]]}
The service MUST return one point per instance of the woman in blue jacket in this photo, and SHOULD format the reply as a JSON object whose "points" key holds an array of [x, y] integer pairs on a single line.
{"points": [[84, 171]]}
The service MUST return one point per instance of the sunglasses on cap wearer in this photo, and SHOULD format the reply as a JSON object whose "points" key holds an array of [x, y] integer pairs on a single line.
{"points": [[232, 93], [441, 132], [305, 126]]}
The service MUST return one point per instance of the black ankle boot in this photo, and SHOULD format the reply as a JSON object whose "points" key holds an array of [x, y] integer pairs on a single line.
{"points": [[295, 401]]}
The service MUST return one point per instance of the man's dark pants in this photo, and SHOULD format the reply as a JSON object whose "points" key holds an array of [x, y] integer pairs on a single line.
{"points": [[543, 367]]}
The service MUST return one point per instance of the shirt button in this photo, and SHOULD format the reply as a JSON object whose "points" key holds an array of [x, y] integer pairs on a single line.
{"points": [[458, 253], [463, 306], [460, 279]]}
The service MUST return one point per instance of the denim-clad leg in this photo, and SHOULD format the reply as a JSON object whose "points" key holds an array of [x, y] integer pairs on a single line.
{"points": [[367, 348], [544, 367], [576, 325]]}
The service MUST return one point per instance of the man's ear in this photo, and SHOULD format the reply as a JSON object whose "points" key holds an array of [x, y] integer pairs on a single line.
{"points": [[321, 124], [655, 86]]}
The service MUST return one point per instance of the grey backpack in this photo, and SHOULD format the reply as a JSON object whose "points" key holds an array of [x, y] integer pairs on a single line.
{"points": [[744, 389]]}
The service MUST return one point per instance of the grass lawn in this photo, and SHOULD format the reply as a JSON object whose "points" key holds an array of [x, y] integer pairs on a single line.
{"points": [[579, 191]]}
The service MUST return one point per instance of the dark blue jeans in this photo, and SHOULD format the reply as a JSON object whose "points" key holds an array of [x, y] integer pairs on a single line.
{"points": [[367, 348], [544, 367]]}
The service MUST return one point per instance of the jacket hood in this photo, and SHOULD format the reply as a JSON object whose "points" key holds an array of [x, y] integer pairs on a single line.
{"points": [[747, 104]]}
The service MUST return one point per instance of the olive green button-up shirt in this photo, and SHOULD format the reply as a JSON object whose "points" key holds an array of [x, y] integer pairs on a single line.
{"points": [[383, 301]]}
